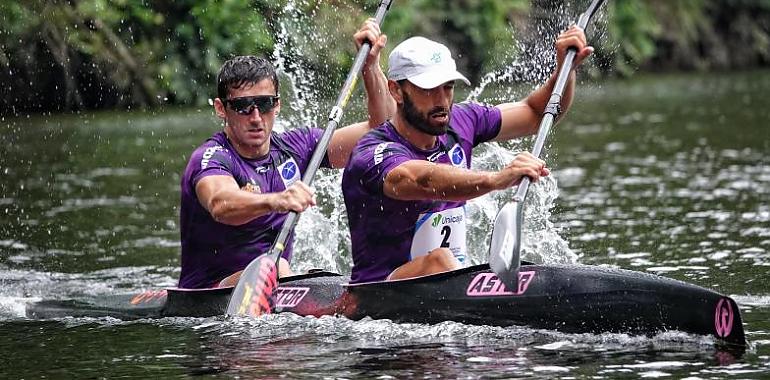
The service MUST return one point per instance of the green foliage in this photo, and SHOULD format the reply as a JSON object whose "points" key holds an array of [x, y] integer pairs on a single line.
{"points": [[136, 53], [478, 30], [67, 54], [634, 29]]}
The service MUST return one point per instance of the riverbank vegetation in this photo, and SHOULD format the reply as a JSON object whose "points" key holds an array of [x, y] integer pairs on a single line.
{"points": [[68, 55]]}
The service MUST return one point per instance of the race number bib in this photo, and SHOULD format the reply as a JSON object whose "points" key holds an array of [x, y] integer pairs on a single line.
{"points": [[440, 229]]}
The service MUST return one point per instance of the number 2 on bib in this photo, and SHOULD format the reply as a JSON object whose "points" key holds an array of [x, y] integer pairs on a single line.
{"points": [[445, 232], [440, 229]]}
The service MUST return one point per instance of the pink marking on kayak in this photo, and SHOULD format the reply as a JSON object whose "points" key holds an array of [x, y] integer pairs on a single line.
{"points": [[258, 300], [487, 284], [148, 296], [723, 318], [289, 296]]}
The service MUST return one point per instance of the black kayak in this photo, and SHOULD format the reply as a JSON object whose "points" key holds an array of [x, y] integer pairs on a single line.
{"points": [[568, 298]]}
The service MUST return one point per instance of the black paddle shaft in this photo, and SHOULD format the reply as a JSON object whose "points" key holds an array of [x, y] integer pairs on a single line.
{"points": [[553, 108], [334, 119]]}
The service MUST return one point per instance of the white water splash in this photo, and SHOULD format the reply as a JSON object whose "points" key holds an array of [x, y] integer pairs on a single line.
{"points": [[384, 333], [322, 236], [322, 239], [287, 53], [541, 242], [762, 301], [15, 307], [21, 287]]}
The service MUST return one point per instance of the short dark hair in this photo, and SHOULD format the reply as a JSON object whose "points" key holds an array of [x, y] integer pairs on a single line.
{"points": [[244, 70]]}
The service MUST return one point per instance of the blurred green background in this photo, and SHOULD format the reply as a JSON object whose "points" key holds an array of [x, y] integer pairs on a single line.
{"points": [[71, 55]]}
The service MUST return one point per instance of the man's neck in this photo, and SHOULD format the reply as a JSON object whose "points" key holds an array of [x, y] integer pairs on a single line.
{"points": [[418, 138]]}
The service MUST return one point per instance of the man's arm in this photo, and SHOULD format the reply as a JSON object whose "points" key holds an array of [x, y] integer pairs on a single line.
{"points": [[228, 204], [421, 180], [380, 105], [523, 118]]}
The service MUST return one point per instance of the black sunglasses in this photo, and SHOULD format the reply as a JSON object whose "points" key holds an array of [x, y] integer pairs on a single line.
{"points": [[245, 105]]}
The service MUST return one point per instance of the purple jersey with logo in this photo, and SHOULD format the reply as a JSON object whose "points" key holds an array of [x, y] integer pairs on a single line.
{"points": [[382, 228], [211, 250]]}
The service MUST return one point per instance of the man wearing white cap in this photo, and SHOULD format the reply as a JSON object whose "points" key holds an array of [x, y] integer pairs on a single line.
{"points": [[407, 181]]}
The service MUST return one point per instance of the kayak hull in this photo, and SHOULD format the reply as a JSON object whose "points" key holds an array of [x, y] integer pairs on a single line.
{"points": [[568, 298]]}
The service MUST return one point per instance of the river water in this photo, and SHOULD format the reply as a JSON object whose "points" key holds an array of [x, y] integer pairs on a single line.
{"points": [[666, 174]]}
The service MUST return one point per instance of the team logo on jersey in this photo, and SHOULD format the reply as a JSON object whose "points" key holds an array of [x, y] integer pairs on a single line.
{"points": [[457, 156], [435, 156], [443, 220], [436, 221], [379, 152], [289, 172], [208, 153], [252, 187]]}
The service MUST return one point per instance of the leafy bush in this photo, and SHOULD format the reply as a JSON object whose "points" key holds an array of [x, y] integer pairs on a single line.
{"points": [[61, 55]]}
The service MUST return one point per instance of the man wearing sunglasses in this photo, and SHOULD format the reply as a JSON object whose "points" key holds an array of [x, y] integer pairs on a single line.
{"points": [[239, 185]]}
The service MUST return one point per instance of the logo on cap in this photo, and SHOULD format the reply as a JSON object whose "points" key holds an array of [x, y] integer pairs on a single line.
{"points": [[425, 63]]}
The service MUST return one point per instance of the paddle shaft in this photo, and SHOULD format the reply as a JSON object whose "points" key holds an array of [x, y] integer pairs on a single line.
{"points": [[252, 295], [553, 108], [505, 243], [334, 119]]}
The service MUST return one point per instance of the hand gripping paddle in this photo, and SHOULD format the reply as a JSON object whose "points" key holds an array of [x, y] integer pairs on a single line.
{"points": [[505, 247], [252, 295]]}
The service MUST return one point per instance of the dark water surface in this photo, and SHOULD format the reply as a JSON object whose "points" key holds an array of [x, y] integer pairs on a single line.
{"points": [[667, 175]]}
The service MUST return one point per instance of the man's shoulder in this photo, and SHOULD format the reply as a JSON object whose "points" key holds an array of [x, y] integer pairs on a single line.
{"points": [[208, 149], [297, 141], [471, 118], [212, 150], [376, 142], [376, 147], [381, 134], [305, 130], [468, 106]]}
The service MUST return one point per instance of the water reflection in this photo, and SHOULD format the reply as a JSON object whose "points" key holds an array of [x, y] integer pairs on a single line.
{"points": [[669, 181], [337, 347]]}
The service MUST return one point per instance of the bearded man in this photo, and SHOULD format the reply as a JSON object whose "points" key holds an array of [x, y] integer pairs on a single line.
{"points": [[407, 181]]}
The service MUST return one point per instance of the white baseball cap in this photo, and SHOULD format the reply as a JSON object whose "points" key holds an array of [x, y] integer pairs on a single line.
{"points": [[425, 63]]}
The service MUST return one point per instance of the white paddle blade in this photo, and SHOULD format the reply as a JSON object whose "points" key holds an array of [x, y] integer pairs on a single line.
{"points": [[504, 249], [253, 295]]}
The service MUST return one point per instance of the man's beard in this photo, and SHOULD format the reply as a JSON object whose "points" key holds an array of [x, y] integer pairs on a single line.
{"points": [[422, 121]]}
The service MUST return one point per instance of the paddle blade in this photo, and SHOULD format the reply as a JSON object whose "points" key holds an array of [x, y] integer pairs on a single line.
{"points": [[253, 296], [504, 249]]}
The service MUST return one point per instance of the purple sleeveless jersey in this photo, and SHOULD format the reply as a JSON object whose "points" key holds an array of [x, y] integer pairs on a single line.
{"points": [[211, 250], [382, 228]]}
